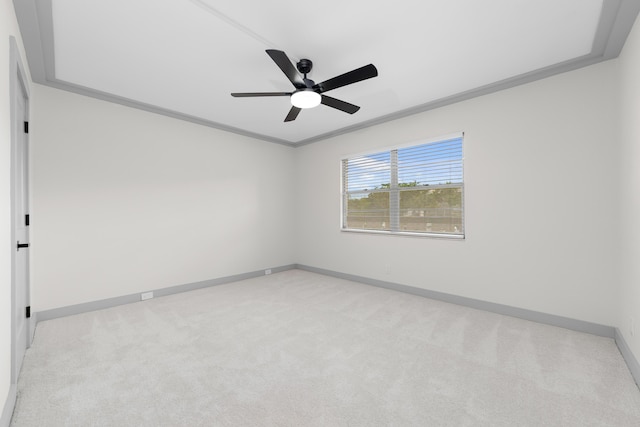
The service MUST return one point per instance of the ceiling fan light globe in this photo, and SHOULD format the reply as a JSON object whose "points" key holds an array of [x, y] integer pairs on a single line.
{"points": [[306, 99]]}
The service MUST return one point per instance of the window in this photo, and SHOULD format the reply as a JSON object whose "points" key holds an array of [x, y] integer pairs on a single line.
{"points": [[410, 190]]}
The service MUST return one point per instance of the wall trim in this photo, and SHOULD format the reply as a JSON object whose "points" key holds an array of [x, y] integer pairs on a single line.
{"points": [[629, 358], [521, 313], [9, 405], [131, 298], [35, 18]]}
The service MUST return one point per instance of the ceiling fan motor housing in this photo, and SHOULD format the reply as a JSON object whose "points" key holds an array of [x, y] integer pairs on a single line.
{"points": [[304, 66]]}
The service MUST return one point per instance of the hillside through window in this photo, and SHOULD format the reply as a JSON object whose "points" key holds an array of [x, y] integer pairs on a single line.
{"points": [[416, 189]]}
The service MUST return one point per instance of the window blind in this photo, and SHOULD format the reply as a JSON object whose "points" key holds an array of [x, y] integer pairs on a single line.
{"points": [[416, 189]]}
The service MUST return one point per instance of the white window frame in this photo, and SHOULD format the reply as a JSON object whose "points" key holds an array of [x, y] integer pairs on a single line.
{"points": [[394, 179]]}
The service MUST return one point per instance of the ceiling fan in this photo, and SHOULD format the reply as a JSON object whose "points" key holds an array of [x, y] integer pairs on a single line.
{"points": [[308, 94]]}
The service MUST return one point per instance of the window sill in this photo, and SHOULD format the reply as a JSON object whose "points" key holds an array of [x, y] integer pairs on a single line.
{"points": [[406, 233]]}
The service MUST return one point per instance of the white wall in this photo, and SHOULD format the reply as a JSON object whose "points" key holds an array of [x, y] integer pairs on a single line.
{"points": [[8, 27], [540, 194], [629, 302], [126, 201]]}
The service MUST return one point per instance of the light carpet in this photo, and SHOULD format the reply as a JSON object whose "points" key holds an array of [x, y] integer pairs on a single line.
{"points": [[302, 349]]}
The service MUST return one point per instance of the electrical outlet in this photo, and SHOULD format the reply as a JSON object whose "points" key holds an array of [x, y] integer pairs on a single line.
{"points": [[146, 295], [267, 271]]}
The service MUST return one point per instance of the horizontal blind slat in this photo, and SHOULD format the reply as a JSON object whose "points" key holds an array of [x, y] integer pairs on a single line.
{"points": [[430, 178]]}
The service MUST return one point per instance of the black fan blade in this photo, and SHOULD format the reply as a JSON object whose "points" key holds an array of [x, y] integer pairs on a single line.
{"points": [[293, 113], [282, 60], [357, 75], [248, 94], [340, 105]]}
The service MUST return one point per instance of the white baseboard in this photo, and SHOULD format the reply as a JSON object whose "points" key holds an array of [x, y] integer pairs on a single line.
{"points": [[128, 299], [534, 316]]}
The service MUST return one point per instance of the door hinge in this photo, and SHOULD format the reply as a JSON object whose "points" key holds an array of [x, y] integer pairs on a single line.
{"points": [[26, 220], [26, 127], [28, 311]]}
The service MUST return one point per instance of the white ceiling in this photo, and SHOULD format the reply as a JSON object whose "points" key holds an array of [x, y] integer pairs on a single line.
{"points": [[183, 58]]}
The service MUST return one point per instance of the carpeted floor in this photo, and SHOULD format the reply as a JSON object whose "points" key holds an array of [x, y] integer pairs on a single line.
{"points": [[301, 349]]}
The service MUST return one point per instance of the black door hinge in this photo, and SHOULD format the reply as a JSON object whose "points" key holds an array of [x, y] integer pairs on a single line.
{"points": [[26, 127], [28, 311], [26, 220]]}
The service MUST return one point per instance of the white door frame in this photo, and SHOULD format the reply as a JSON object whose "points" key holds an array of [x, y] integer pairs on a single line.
{"points": [[19, 84]]}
